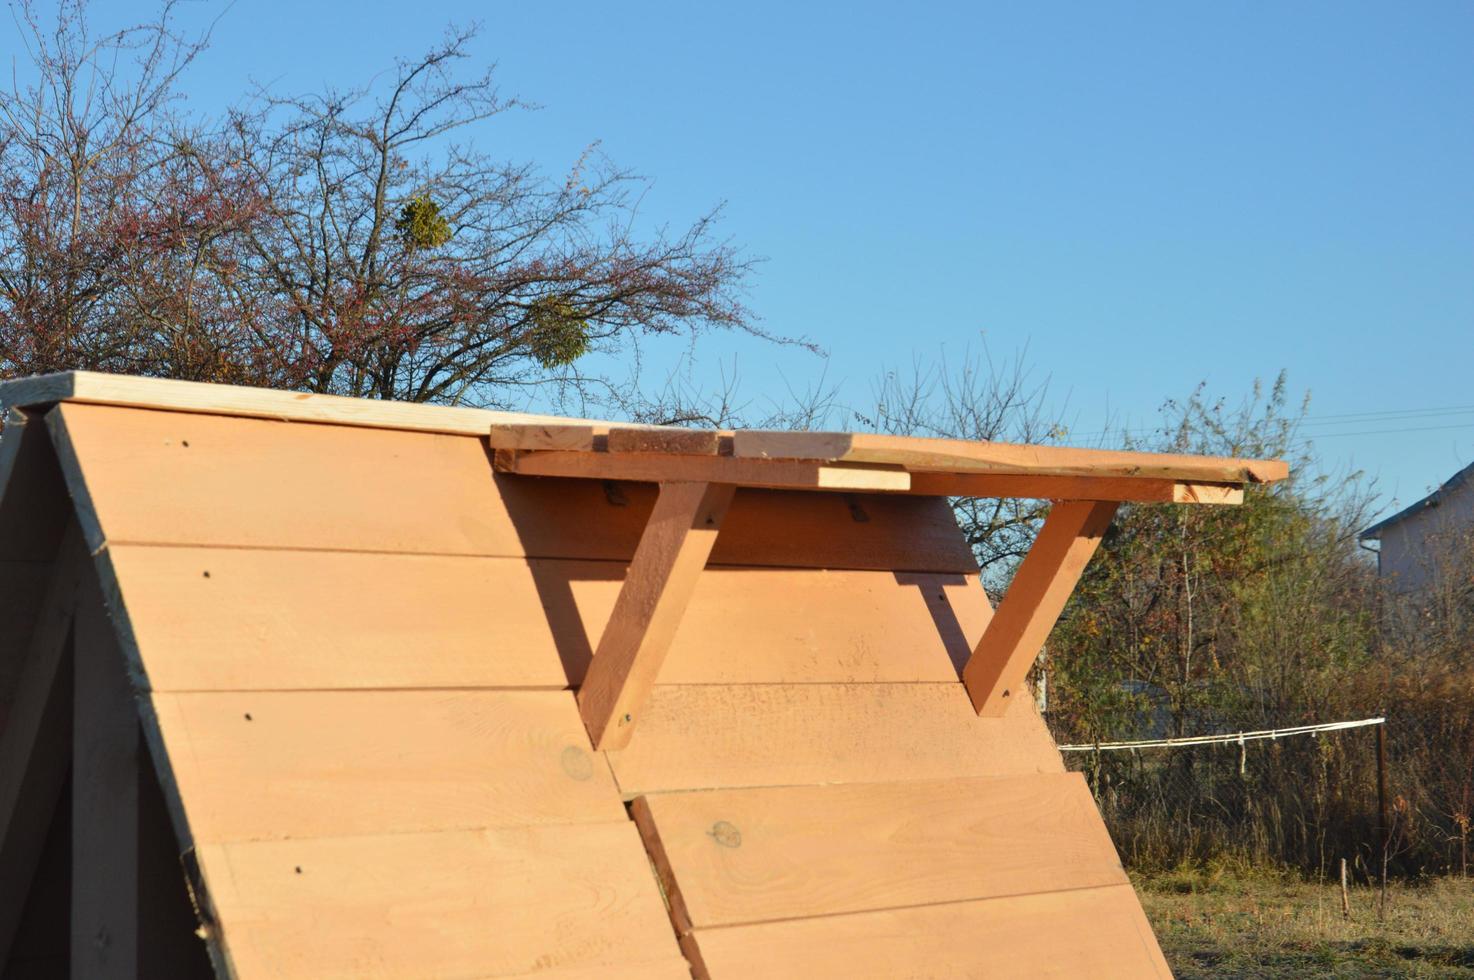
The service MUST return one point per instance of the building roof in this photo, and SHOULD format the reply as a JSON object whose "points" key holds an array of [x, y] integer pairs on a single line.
{"points": [[1463, 476], [542, 445], [322, 671]]}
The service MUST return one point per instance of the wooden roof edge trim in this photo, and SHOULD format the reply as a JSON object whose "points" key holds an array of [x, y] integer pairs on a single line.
{"points": [[923, 454], [164, 394], [801, 474]]}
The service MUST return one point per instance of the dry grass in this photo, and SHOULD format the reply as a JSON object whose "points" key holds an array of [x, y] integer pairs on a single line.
{"points": [[1225, 922]]}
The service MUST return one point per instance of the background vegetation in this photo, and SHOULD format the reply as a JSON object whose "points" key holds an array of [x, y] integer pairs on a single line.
{"points": [[356, 241]]}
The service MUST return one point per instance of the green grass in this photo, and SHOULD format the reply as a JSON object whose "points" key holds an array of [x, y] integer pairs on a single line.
{"points": [[1226, 923]]}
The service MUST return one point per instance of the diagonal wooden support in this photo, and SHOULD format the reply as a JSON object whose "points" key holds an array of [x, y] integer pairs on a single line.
{"points": [[995, 672], [672, 552]]}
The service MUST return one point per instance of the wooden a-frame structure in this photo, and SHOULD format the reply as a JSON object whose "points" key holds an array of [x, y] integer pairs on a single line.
{"points": [[298, 686]]}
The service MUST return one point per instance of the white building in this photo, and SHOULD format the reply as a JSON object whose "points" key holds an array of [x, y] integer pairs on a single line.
{"points": [[1418, 542]]}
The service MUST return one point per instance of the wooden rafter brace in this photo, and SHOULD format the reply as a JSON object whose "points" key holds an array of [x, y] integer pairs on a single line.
{"points": [[995, 673], [672, 551]]}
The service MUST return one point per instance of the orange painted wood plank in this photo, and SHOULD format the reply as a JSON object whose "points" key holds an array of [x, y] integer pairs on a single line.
{"points": [[961, 456], [662, 575], [261, 484], [1093, 932], [754, 855], [718, 736], [232, 619], [334, 763], [1033, 603], [470, 903]]}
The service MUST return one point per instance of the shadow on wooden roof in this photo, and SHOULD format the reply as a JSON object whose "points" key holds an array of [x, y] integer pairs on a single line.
{"points": [[396, 690]]}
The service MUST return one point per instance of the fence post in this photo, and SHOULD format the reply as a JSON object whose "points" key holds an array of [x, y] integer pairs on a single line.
{"points": [[1382, 821], [1382, 784]]}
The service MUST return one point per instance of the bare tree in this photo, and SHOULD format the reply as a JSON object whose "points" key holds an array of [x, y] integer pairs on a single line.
{"points": [[355, 241], [974, 397]]}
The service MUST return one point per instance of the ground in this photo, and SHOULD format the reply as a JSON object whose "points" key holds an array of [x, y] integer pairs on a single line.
{"points": [[1230, 924]]}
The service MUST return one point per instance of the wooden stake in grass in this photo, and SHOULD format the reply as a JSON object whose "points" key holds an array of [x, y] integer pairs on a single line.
{"points": [[1345, 895]]}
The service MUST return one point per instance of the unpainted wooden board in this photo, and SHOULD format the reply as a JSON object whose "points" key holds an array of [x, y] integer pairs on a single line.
{"points": [[331, 763], [696, 442], [22, 588], [89, 387], [1093, 932], [715, 736], [473, 903], [34, 507], [662, 575], [107, 755], [658, 467], [1036, 596], [36, 744], [671, 968], [226, 619], [755, 855], [532, 435], [962, 456], [253, 483], [1136, 489], [785, 625]]}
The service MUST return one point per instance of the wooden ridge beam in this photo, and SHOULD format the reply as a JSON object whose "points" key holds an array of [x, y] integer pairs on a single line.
{"points": [[641, 467], [1145, 490], [672, 552], [995, 672]]}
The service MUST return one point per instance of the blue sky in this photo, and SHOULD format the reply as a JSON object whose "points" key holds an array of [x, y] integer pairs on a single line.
{"points": [[1145, 195]]}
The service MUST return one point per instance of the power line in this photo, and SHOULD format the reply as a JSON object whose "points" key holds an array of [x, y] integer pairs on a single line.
{"points": [[1377, 432]]}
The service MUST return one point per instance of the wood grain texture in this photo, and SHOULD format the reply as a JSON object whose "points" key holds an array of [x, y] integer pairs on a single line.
{"points": [[696, 442], [543, 436], [93, 388], [1094, 932], [718, 736], [671, 556], [1032, 605], [674, 968], [476, 903], [34, 506], [35, 745], [963, 456], [658, 467], [333, 763], [226, 619], [253, 483], [1137, 489], [22, 590], [107, 755], [755, 855]]}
